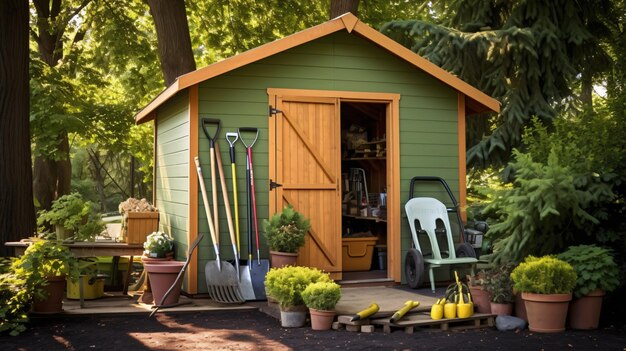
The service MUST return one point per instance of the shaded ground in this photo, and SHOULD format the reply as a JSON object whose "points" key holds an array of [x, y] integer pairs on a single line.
{"points": [[245, 330]]}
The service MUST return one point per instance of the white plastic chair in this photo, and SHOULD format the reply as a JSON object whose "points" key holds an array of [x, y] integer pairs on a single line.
{"points": [[427, 211]]}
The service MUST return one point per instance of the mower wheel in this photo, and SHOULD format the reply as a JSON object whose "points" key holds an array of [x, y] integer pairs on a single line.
{"points": [[414, 268], [465, 250]]}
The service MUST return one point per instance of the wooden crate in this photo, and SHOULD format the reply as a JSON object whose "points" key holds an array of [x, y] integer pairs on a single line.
{"points": [[138, 225]]}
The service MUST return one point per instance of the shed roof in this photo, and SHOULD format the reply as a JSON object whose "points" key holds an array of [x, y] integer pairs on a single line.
{"points": [[476, 100]]}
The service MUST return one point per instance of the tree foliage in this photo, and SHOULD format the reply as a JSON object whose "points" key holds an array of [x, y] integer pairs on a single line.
{"points": [[568, 189], [530, 55]]}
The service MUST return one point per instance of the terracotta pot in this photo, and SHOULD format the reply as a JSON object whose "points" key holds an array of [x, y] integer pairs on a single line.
{"points": [[146, 296], [584, 312], [501, 309], [546, 312], [162, 276], [321, 320], [520, 307], [281, 259], [481, 298], [55, 292]]}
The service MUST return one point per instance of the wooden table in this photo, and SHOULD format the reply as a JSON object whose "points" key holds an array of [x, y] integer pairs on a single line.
{"points": [[93, 249]]}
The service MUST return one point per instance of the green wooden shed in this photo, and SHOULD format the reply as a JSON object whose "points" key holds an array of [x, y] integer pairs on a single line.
{"points": [[328, 86]]}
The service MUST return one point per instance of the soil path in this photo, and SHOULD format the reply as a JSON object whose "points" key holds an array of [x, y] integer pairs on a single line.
{"points": [[254, 330]]}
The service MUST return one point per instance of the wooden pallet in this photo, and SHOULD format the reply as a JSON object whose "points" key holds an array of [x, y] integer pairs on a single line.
{"points": [[344, 322], [420, 320]]}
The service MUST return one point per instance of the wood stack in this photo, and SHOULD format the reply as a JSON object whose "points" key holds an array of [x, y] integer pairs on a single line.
{"points": [[345, 322]]}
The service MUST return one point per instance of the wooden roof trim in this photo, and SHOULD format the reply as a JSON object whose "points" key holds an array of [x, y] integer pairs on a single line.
{"points": [[148, 113], [429, 67], [243, 59], [347, 21]]}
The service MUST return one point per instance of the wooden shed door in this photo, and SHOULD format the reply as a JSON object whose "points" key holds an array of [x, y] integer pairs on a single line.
{"points": [[305, 159]]}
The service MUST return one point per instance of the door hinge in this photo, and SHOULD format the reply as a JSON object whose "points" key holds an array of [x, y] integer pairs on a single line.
{"points": [[274, 185], [274, 111]]}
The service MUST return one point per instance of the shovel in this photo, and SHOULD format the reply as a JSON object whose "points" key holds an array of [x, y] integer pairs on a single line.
{"points": [[245, 281], [221, 277], [258, 269]]}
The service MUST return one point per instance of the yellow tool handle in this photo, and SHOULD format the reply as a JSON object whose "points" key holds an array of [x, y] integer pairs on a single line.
{"points": [[409, 305], [373, 308], [233, 168], [214, 191]]}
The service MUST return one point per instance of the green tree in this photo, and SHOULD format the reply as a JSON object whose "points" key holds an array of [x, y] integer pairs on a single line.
{"points": [[530, 55]]}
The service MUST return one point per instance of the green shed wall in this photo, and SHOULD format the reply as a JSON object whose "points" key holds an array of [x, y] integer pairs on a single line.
{"points": [[172, 175], [340, 61]]}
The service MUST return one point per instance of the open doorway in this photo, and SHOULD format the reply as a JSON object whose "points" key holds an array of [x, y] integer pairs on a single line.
{"points": [[364, 191]]}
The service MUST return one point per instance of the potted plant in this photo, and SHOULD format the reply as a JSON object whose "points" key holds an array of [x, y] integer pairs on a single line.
{"points": [[480, 296], [500, 287], [597, 274], [158, 250], [546, 284], [44, 266], [158, 245], [73, 217], [321, 299], [139, 218], [285, 233], [285, 285]]}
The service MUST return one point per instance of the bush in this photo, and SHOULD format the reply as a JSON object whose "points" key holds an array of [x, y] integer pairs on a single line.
{"points": [[322, 296], [544, 275], [594, 267], [15, 301], [499, 284], [285, 231], [286, 284]]}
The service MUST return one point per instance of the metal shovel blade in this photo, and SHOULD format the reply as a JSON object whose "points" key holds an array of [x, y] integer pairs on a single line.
{"points": [[258, 270], [245, 283], [223, 285]]}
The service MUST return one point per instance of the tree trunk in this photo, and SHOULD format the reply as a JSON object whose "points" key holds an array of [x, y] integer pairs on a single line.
{"points": [[586, 95], [17, 213], [339, 7], [96, 173], [170, 22], [52, 179]]}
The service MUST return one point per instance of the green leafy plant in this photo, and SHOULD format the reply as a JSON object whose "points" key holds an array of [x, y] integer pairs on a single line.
{"points": [[75, 214], [285, 231], [544, 275], [24, 280], [499, 284], [594, 267], [322, 296], [15, 300], [158, 244], [286, 284]]}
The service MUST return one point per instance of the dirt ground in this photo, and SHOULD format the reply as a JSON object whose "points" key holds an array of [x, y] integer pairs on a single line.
{"points": [[254, 330]]}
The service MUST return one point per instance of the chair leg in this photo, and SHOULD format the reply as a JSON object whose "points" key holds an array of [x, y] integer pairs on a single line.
{"points": [[431, 276]]}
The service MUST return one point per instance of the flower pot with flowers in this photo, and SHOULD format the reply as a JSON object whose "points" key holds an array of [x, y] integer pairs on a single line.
{"points": [[158, 245]]}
